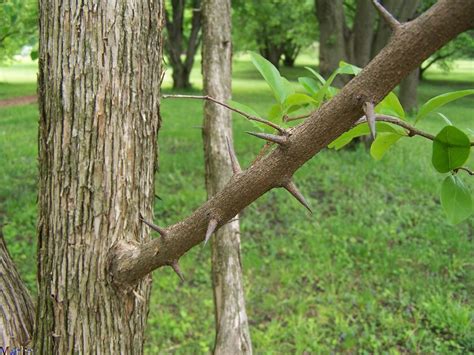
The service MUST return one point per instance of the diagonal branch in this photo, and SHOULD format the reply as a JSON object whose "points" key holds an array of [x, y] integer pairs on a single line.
{"points": [[409, 47]]}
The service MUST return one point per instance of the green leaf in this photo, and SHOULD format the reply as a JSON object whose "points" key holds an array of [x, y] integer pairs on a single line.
{"points": [[390, 105], [445, 119], [249, 111], [298, 100], [439, 101], [309, 84], [276, 113], [280, 87], [382, 143], [362, 130], [317, 75], [346, 68], [455, 199], [451, 149]]}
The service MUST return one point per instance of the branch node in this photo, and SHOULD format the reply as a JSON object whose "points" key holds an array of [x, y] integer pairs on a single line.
{"points": [[175, 266], [280, 140], [370, 114], [233, 158], [391, 21], [160, 230], [292, 189], [211, 227]]}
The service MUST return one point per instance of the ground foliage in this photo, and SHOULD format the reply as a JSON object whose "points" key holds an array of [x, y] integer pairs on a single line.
{"points": [[376, 268]]}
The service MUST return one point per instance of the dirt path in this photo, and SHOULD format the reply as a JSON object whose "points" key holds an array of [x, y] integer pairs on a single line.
{"points": [[22, 100]]}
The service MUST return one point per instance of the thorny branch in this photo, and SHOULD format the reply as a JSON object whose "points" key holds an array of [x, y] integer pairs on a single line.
{"points": [[410, 45]]}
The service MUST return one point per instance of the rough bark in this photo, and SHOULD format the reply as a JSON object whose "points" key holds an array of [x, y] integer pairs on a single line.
{"points": [[330, 14], [177, 44], [408, 91], [232, 332], [16, 307], [100, 69], [410, 46]]}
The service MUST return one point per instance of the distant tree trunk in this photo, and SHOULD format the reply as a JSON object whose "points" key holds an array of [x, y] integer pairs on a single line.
{"points": [[176, 41], [100, 69], [272, 52], [290, 52], [232, 333], [330, 14], [363, 32], [408, 91], [16, 307]]}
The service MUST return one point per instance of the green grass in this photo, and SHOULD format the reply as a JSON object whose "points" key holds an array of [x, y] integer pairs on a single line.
{"points": [[375, 269]]}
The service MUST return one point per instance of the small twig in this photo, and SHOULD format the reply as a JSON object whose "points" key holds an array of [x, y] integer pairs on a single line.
{"points": [[467, 170], [412, 131], [209, 98], [286, 118], [387, 16]]}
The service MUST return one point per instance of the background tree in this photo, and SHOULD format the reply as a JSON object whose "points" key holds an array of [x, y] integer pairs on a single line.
{"points": [[232, 332], [18, 26], [183, 36], [350, 31], [275, 28]]}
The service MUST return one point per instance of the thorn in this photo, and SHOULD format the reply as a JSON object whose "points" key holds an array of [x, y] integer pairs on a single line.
{"points": [[370, 115], [175, 266], [387, 16], [281, 140], [158, 197], [160, 230], [292, 189], [233, 158], [210, 229]]}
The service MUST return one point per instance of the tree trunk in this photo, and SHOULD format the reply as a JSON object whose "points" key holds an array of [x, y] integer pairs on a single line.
{"points": [[272, 53], [176, 41], [16, 307], [330, 14], [100, 68], [232, 333], [363, 32], [408, 91]]}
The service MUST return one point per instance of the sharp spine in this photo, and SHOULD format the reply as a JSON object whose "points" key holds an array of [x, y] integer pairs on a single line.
{"points": [[160, 230], [280, 140], [292, 189], [175, 266], [233, 158], [211, 227], [370, 115]]}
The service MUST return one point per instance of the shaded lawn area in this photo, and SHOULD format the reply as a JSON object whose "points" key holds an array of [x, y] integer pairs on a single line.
{"points": [[376, 268]]}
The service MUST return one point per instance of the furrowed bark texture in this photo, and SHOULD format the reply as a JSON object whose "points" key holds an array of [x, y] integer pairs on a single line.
{"points": [[232, 333], [17, 313], [408, 48], [100, 66]]}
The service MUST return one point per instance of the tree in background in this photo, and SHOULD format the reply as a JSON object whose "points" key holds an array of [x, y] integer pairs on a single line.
{"points": [[276, 28], [183, 36], [18, 26], [350, 31], [232, 330]]}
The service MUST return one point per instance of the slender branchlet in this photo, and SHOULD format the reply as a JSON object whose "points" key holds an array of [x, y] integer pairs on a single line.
{"points": [[246, 115], [273, 138], [387, 16], [233, 157], [370, 115], [292, 189], [211, 227]]}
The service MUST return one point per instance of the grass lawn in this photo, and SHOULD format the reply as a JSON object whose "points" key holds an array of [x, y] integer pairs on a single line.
{"points": [[375, 269]]}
